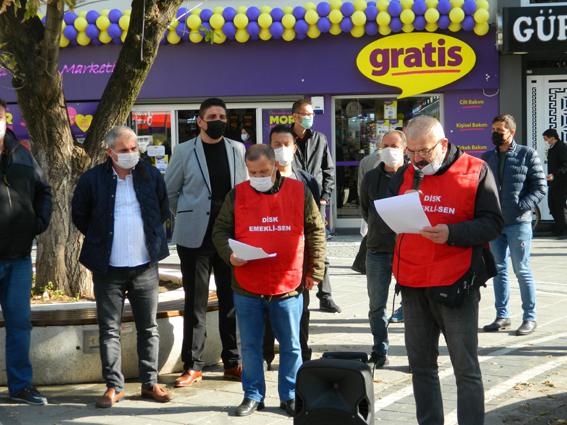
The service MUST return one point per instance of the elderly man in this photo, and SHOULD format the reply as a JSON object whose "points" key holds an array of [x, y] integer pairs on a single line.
{"points": [[279, 215], [460, 199], [120, 206]]}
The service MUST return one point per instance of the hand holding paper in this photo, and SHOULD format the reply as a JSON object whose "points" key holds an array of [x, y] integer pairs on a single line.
{"points": [[403, 213], [247, 252]]}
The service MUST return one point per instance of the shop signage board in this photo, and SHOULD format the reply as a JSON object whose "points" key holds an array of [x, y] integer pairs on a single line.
{"points": [[531, 29], [416, 62]]}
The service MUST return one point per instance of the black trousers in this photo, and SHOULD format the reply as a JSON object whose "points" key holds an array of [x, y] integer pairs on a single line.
{"points": [[196, 266], [360, 260], [557, 201], [269, 339]]}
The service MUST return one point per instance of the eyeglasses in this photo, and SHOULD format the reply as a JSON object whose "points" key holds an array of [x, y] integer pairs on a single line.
{"points": [[423, 154]]}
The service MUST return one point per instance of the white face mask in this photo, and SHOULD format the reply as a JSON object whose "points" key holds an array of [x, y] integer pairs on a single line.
{"points": [[284, 155], [2, 129], [430, 168], [126, 161], [262, 184], [392, 156]]}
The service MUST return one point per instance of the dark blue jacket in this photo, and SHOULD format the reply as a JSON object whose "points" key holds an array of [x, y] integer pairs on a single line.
{"points": [[523, 184], [93, 213]]}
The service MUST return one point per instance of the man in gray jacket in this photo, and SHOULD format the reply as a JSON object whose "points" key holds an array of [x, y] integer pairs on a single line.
{"points": [[202, 171]]}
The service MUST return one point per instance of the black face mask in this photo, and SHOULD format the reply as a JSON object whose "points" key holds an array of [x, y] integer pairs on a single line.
{"points": [[215, 129], [497, 138]]}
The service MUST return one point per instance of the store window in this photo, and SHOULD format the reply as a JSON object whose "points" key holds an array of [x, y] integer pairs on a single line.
{"points": [[359, 123], [153, 129]]}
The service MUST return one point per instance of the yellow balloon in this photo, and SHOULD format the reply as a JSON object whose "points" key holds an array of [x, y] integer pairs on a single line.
{"points": [[241, 9], [288, 34], [335, 16], [431, 4], [288, 10], [265, 20], [313, 31], [63, 42], [311, 17], [481, 29], [407, 16], [218, 10], [195, 37], [241, 35], [382, 6], [80, 24], [431, 27], [408, 28], [357, 31], [82, 39], [335, 29], [193, 22], [457, 15], [482, 4], [481, 16], [457, 3], [335, 4], [383, 19], [288, 21], [197, 12], [384, 30], [265, 34], [82, 14], [240, 21], [455, 26], [126, 12], [431, 16], [358, 18], [216, 21], [173, 38], [309, 6], [123, 36], [104, 37], [104, 12], [174, 24], [102, 23], [359, 6], [219, 37], [407, 4], [265, 9], [63, 26], [124, 22]]}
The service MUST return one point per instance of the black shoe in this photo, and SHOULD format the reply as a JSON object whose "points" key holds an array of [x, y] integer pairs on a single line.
{"points": [[497, 325], [248, 407], [267, 366], [327, 304], [30, 395], [562, 237], [378, 360], [289, 407], [527, 328], [356, 268]]}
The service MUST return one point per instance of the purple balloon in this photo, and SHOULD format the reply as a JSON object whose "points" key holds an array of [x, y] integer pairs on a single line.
{"points": [[300, 36], [371, 12], [206, 26], [298, 12], [253, 13], [96, 41], [396, 24], [323, 9], [253, 29], [74, 42], [228, 14], [394, 9], [419, 7], [371, 28], [182, 14], [206, 15], [277, 30], [469, 7], [277, 14], [114, 31], [164, 38], [419, 23], [92, 16], [347, 8], [371, 3], [324, 24], [468, 23], [255, 37], [92, 31], [346, 25], [444, 7], [301, 27], [443, 22], [183, 31], [70, 32], [117, 40], [114, 15], [70, 17], [229, 29], [43, 20]]}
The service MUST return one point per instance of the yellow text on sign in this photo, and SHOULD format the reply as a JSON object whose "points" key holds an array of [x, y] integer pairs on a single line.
{"points": [[416, 62]]}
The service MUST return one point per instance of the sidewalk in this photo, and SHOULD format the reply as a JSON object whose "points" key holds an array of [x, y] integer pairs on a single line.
{"points": [[525, 377]]}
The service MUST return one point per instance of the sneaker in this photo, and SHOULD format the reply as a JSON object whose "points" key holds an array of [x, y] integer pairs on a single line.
{"points": [[378, 360], [31, 396], [398, 316], [327, 304]]}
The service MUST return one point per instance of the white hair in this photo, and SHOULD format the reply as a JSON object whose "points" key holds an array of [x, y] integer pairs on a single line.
{"points": [[117, 132], [423, 125]]}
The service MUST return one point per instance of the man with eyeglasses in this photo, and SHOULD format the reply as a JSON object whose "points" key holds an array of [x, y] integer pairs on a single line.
{"points": [[313, 156], [521, 186], [460, 198]]}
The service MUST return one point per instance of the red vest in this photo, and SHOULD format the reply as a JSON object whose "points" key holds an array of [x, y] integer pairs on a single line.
{"points": [[449, 198], [275, 224]]}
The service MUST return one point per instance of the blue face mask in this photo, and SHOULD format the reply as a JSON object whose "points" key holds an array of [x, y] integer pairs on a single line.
{"points": [[244, 137], [306, 122]]}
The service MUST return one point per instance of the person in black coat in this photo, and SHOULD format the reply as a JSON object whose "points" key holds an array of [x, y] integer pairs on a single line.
{"points": [[557, 181]]}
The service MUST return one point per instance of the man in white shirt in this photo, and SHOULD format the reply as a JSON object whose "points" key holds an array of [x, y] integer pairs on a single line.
{"points": [[120, 206]]}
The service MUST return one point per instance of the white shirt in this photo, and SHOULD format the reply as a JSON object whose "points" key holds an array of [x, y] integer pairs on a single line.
{"points": [[129, 242]]}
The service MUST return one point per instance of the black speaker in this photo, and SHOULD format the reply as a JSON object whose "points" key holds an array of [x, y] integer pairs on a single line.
{"points": [[332, 391]]}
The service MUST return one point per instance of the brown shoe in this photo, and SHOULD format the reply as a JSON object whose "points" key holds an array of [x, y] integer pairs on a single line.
{"points": [[234, 373], [109, 398], [188, 377], [157, 393]]}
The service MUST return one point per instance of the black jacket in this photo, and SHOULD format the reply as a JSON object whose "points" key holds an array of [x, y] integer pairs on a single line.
{"points": [[557, 164], [25, 199]]}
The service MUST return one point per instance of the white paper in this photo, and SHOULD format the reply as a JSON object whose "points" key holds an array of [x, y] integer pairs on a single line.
{"points": [[403, 213], [248, 252], [156, 150]]}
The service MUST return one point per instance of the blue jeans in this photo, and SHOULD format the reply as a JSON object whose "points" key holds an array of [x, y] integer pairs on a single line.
{"points": [[516, 240], [141, 286], [424, 319], [15, 288], [285, 315], [378, 278]]}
